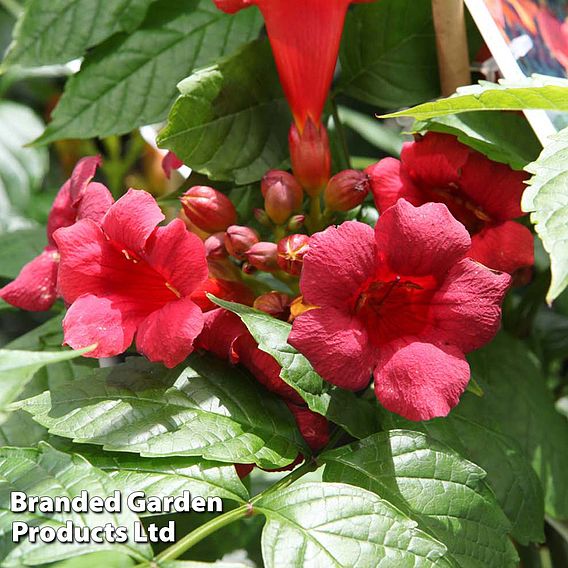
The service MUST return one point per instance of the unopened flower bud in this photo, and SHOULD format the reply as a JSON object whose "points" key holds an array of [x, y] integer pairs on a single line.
{"points": [[296, 222], [346, 190], [208, 208], [248, 268], [291, 252], [276, 304], [215, 246], [238, 240], [263, 256], [261, 216], [283, 195], [310, 156]]}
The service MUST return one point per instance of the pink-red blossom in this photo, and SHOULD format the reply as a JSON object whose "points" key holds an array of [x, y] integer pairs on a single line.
{"points": [[126, 277], [402, 302], [35, 288], [485, 196]]}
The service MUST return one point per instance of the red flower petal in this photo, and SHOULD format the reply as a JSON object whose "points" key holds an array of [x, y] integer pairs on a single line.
{"points": [[313, 427], [336, 344], [466, 310], [339, 261], [420, 381], [506, 247], [94, 203], [91, 320], [221, 329], [264, 368], [62, 212], [35, 287], [419, 241], [389, 183], [435, 160], [167, 334], [170, 163], [132, 219], [232, 6], [495, 187], [225, 289], [179, 256], [83, 173]]}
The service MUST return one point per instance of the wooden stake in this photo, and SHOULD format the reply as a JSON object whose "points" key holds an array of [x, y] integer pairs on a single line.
{"points": [[451, 42]]}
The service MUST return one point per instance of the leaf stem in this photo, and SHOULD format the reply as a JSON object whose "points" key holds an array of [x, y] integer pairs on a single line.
{"points": [[340, 134], [246, 510], [12, 7]]}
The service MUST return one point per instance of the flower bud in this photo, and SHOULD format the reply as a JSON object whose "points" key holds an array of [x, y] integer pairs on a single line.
{"points": [[238, 240], [296, 222], [310, 156], [282, 195], [291, 251], [261, 216], [215, 246], [208, 209], [276, 304], [263, 256], [346, 190]]}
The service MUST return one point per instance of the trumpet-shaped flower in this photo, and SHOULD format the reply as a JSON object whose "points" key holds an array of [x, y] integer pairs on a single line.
{"points": [[402, 302], [35, 288], [483, 195], [126, 276], [304, 35]]}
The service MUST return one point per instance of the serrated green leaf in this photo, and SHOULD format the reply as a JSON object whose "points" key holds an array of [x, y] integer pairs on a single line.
{"points": [[61, 30], [334, 525], [21, 169], [490, 96], [166, 476], [130, 81], [19, 247], [432, 485], [20, 431], [18, 367], [231, 120], [358, 416], [203, 408], [48, 472], [502, 136], [546, 199], [388, 54]]}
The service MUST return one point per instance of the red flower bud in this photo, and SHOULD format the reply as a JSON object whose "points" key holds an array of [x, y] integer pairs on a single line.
{"points": [[170, 162], [208, 209], [346, 190], [238, 240], [296, 222], [291, 251], [282, 195], [215, 246], [311, 159], [263, 256], [276, 304]]}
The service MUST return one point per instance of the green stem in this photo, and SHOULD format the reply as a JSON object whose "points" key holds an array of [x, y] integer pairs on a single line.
{"points": [[340, 134], [12, 7], [191, 539], [315, 220]]}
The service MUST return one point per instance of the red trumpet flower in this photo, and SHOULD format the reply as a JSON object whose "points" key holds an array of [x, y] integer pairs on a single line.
{"points": [[305, 36]]}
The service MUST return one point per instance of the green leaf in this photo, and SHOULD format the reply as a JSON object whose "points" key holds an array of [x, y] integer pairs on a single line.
{"points": [[334, 525], [61, 30], [166, 476], [502, 136], [20, 430], [388, 54], [204, 408], [18, 367], [21, 169], [371, 130], [48, 472], [357, 416], [130, 80], [432, 485], [489, 96], [231, 121], [18, 248], [547, 201], [106, 559]]}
